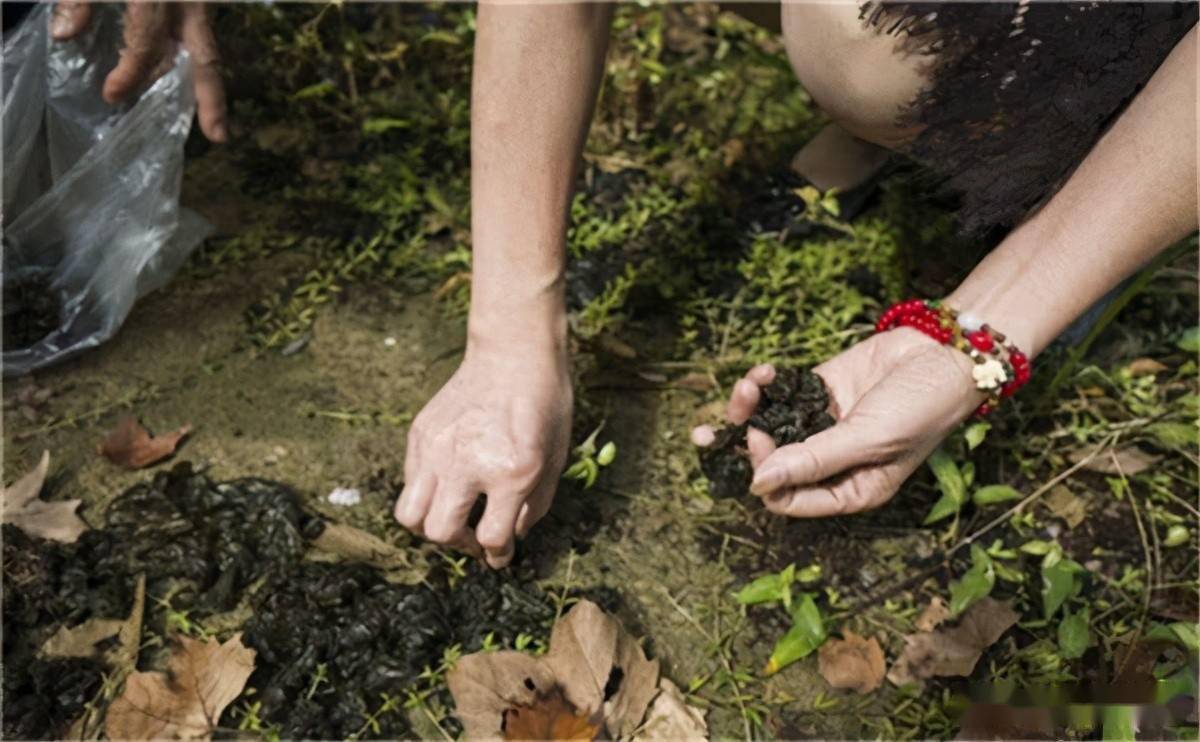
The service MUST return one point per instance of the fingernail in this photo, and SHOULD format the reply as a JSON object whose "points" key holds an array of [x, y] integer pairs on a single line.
{"points": [[766, 481], [60, 25], [221, 132]]}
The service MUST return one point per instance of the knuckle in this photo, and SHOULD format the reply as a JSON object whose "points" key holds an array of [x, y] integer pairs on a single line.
{"points": [[493, 539], [440, 532]]}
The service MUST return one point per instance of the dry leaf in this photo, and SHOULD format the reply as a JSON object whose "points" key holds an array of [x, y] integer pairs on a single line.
{"points": [[131, 446], [852, 663], [1129, 460], [589, 654], [1146, 367], [1066, 505], [485, 684], [81, 641], [550, 717], [55, 521], [186, 702], [933, 615], [623, 712], [356, 545], [953, 650], [583, 647], [671, 718]]}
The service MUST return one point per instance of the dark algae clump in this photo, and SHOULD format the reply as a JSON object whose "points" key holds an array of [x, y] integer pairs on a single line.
{"points": [[793, 407], [332, 640]]}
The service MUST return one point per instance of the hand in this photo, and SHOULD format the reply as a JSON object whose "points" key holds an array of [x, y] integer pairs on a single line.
{"points": [[500, 426], [152, 30], [895, 396]]}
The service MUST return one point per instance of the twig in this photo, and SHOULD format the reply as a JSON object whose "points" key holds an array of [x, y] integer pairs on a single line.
{"points": [[1150, 573]]}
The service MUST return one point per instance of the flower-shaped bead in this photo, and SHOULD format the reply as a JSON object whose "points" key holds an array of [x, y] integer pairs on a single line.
{"points": [[989, 375]]}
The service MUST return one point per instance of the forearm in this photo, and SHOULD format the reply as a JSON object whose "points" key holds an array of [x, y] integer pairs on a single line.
{"points": [[536, 72], [1133, 196]]}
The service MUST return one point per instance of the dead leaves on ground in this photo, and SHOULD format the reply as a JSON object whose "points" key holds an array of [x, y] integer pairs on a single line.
{"points": [[130, 445], [20, 506], [594, 677], [852, 663], [186, 702], [953, 650]]}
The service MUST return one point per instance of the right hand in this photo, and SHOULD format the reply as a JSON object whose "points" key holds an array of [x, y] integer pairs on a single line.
{"points": [[151, 30], [500, 426]]}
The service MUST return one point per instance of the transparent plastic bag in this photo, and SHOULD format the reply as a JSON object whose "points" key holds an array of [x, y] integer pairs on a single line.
{"points": [[91, 207]]}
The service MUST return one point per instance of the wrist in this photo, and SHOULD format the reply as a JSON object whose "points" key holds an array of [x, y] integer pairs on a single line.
{"points": [[526, 320]]}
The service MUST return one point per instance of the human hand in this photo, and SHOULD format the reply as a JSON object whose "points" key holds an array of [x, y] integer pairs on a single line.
{"points": [[895, 395], [501, 426], [151, 31]]}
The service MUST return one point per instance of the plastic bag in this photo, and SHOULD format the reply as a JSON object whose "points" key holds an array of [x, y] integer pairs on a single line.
{"points": [[91, 207]]}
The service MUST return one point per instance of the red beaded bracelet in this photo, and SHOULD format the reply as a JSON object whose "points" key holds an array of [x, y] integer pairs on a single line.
{"points": [[1000, 370]]}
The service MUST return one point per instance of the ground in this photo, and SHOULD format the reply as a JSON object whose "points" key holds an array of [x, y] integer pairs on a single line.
{"points": [[301, 340]]}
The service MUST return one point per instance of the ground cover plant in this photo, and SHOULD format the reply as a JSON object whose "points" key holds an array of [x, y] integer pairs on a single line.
{"points": [[1053, 545]]}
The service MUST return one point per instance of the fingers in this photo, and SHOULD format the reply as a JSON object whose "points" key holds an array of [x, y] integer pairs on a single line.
{"points": [[747, 392], [497, 528], [703, 436], [69, 18], [446, 522], [414, 502], [538, 503], [197, 37], [824, 455], [862, 490], [147, 38], [760, 446]]}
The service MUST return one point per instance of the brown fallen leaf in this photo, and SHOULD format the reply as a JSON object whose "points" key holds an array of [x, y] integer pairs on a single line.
{"points": [[587, 648], [1146, 367], [550, 717], [81, 640], [340, 541], [852, 663], [933, 615], [697, 381], [671, 718], [131, 446], [1065, 504], [186, 702], [1128, 460], [956, 649], [20, 506]]}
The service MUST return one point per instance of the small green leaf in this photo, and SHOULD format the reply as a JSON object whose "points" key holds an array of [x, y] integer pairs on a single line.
{"points": [[765, 589], [1181, 632], [1177, 535], [1189, 340], [805, 636], [830, 204], [975, 433], [975, 585], [950, 482], [943, 508], [1176, 435], [1060, 581], [578, 470], [316, 90], [994, 493], [809, 574], [1008, 574], [607, 454], [1074, 634], [1036, 548], [380, 125]]}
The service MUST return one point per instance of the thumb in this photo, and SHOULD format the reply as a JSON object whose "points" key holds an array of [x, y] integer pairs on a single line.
{"points": [[844, 446], [69, 18]]}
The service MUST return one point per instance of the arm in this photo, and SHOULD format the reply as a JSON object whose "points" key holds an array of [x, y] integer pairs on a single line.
{"points": [[501, 425], [898, 394]]}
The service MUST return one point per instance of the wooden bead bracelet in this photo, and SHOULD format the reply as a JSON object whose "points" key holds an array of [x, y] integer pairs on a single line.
{"points": [[1000, 369]]}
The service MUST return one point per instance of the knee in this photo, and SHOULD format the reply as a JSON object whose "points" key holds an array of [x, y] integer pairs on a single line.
{"points": [[856, 75]]}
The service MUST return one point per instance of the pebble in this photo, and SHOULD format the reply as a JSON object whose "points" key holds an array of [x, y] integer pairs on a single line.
{"points": [[1053, 530], [389, 342], [345, 496]]}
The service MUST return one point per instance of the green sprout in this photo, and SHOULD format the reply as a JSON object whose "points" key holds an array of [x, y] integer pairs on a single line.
{"points": [[589, 461]]}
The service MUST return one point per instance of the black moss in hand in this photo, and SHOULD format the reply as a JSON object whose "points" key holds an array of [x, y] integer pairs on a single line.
{"points": [[793, 407]]}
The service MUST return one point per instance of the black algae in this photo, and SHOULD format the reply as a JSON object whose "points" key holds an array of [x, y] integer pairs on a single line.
{"points": [[793, 407], [331, 639]]}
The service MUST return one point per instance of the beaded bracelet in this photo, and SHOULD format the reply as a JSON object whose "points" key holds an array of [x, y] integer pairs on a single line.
{"points": [[1000, 370]]}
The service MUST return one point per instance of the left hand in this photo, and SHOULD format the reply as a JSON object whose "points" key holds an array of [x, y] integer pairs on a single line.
{"points": [[895, 395], [151, 31]]}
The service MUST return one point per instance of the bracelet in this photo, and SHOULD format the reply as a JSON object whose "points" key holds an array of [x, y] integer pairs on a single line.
{"points": [[1000, 369]]}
